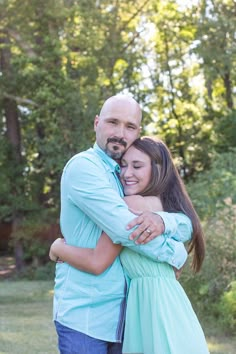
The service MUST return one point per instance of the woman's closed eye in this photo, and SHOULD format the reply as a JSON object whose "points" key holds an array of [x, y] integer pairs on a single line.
{"points": [[123, 164], [138, 165]]}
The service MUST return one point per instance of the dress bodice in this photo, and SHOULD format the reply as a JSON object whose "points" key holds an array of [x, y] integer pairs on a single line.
{"points": [[138, 266]]}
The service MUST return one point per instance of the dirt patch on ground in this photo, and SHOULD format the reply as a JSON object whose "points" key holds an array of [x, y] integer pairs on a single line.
{"points": [[7, 267]]}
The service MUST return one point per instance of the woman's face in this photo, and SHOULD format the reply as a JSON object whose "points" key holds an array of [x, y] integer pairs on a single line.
{"points": [[135, 171]]}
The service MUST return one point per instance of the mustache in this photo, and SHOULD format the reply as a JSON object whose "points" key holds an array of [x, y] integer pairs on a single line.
{"points": [[117, 140]]}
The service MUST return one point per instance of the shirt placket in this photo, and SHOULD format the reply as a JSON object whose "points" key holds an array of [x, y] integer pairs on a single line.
{"points": [[116, 174]]}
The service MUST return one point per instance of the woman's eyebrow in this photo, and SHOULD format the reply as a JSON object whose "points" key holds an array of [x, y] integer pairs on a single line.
{"points": [[137, 161]]}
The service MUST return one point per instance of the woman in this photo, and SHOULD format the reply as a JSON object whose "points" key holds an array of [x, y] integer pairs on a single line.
{"points": [[159, 318]]}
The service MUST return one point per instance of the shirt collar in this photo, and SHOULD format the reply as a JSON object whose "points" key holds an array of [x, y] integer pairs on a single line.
{"points": [[107, 159]]}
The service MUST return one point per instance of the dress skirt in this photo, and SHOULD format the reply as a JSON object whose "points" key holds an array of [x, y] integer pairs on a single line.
{"points": [[160, 318]]}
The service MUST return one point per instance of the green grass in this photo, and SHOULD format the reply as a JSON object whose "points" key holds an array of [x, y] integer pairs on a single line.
{"points": [[221, 345], [26, 325], [218, 342]]}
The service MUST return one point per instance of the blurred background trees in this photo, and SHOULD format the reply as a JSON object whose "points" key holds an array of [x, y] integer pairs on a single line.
{"points": [[59, 60]]}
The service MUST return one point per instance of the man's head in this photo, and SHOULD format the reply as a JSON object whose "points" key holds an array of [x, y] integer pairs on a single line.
{"points": [[118, 125]]}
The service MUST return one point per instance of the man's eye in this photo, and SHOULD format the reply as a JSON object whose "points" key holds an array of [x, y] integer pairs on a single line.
{"points": [[131, 127], [112, 122]]}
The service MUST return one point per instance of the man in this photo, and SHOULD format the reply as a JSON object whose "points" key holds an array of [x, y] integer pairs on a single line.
{"points": [[89, 310]]}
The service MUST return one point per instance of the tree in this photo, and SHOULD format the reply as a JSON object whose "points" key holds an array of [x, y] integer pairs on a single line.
{"points": [[58, 80], [216, 49], [177, 90]]}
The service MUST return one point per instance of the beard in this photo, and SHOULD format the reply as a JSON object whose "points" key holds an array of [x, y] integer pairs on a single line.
{"points": [[113, 150]]}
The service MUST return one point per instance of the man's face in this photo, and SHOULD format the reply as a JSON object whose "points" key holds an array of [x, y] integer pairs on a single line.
{"points": [[117, 127]]}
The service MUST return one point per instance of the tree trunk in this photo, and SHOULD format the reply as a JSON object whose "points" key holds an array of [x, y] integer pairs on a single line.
{"points": [[17, 243], [228, 89]]}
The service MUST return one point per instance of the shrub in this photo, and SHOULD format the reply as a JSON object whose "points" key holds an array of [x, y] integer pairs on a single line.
{"points": [[214, 196], [227, 307]]}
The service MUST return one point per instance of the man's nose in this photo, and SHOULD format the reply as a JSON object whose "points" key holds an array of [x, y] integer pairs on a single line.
{"points": [[120, 132]]}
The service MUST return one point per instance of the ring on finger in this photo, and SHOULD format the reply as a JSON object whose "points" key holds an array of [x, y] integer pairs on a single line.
{"points": [[148, 231]]}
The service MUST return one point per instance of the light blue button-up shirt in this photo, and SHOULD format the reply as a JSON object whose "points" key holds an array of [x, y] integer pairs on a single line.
{"points": [[91, 202]]}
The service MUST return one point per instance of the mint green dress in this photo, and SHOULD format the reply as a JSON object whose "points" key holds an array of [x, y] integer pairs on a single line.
{"points": [[159, 318]]}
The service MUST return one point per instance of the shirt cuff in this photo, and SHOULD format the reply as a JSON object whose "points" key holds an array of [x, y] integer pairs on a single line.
{"points": [[180, 255], [169, 222]]}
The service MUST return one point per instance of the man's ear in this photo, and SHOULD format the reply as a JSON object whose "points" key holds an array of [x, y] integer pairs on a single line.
{"points": [[96, 120]]}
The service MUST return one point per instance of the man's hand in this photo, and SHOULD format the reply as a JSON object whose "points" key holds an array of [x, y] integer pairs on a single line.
{"points": [[53, 249], [150, 226]]}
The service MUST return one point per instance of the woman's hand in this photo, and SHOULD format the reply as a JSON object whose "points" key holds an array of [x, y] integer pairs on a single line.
{"points": [[53, 255], [178, 272]]}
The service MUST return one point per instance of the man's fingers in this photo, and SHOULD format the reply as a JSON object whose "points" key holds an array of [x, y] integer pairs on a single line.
{"points": [[143, 240], [138, 232], [145, 237], [149, 226], [142, 235], [136, 221]]}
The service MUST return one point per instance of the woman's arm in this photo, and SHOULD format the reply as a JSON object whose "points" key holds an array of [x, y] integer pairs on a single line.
{"points": [[141, 204], [90, 260], [97, 260]]}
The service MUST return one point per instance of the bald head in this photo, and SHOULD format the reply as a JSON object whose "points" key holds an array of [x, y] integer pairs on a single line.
{"points": [[124, 103]]}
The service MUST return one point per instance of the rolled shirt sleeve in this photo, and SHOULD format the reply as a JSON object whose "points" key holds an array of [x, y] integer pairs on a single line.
{"points": [[177, 226]]}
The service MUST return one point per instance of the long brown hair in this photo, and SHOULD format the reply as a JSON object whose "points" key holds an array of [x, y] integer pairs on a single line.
{"points": [[167, 184]]}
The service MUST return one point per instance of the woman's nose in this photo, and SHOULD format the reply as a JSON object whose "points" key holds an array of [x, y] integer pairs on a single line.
{"points": [[127, 172]]}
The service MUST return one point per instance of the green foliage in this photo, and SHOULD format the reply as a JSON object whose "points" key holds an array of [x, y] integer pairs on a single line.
{"points": [[227, 307], [214, 195], [178, 88], [216, 46], [225, 130], [36, 232], [213, 189], [207, 288], [38, 272]]}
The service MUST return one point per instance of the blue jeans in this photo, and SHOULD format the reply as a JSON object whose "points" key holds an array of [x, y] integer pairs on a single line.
{"points": [[74, 342]]}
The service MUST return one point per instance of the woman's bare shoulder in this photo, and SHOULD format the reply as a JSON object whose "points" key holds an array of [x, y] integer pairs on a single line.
{"points": [[139, 203], [154, 203], [134, 201]]}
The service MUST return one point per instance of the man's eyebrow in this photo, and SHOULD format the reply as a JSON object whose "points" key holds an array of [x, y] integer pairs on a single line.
{"points": [[113, 118], [133, 124]]}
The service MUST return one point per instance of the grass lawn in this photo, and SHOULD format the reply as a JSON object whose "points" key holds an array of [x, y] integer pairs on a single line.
{"points": [[26, 325], [26, 321]]}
